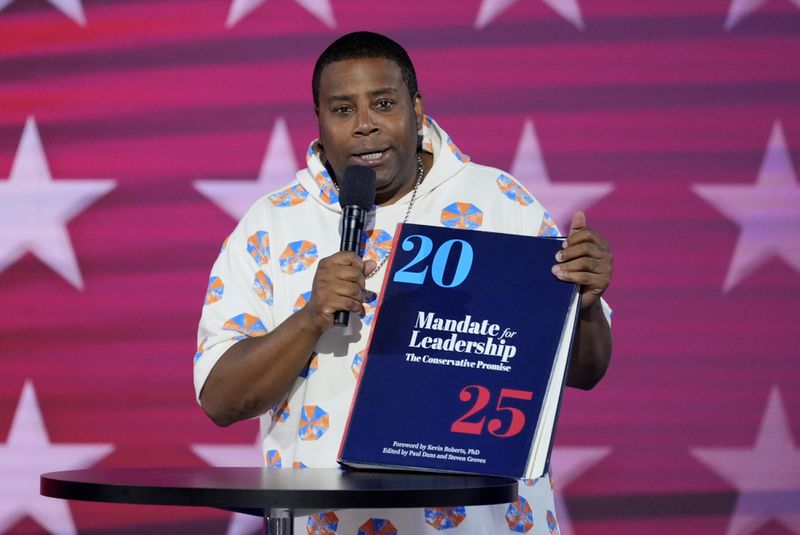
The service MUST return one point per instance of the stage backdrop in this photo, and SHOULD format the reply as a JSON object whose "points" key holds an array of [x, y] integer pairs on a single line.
{"points": [[134, 134]]}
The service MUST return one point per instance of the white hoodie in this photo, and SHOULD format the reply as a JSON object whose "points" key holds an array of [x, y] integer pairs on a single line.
{"points": [[264, 273]]}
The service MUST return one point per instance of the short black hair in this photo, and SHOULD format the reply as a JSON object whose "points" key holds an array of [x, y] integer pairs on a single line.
{"points": [[359, 45]]}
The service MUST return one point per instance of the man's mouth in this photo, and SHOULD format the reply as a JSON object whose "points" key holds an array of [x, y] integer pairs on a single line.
{"points": [[371, 156]]}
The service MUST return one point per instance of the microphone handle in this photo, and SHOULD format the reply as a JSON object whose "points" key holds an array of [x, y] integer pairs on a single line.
{"points": [[352, 227], [341, 318]]}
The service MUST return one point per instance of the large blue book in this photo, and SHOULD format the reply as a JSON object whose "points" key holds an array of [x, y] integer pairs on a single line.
{"points": [[468, 356]]}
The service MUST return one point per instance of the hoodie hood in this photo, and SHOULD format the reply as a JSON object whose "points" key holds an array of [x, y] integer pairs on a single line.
{"points": [[448, 160]]}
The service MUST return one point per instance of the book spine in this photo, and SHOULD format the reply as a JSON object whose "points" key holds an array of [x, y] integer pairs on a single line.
{"points": [[576, 319]]}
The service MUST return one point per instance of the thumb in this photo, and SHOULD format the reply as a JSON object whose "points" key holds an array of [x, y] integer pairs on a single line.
{"points": [[578, 222], [369, 266]]}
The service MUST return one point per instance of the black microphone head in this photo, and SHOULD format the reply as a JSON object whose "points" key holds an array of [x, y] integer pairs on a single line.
{"points": [[357, 187]]}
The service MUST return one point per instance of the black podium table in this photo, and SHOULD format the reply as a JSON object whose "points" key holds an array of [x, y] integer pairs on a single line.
{"points": [[277, 494]]}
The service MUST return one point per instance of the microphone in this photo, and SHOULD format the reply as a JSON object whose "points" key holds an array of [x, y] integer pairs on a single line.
{"points": [[356, 196]]}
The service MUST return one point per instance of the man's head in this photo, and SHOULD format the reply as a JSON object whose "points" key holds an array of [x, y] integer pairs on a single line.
{"points": [[358, 45], [369, 111]]}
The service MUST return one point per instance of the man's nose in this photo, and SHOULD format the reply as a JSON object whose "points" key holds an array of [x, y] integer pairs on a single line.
{"points": [[365, 124]]}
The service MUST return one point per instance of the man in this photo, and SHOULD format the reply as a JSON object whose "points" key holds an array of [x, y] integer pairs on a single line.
{"points": [[267, 345]]}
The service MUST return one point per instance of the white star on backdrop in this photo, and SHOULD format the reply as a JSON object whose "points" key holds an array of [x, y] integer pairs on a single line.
{"points": [[277, 169], [26, 455], [235, 455], [34, 209], [319, 8], [561, 200], [71, 8], [767, 475], [567, 463], [767, 212], [569, 9], [739, 9]]}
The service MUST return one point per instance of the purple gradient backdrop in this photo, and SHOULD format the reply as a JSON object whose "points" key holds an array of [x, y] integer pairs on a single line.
{"points": [[653, 97]]}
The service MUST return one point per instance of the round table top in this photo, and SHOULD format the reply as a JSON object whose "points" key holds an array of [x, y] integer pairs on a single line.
{"points": [[265, 488]]}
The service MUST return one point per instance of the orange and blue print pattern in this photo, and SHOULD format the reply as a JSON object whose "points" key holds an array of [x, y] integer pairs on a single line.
{"points": [[358, 361], [370, 304], [552, 524], [200, 348], [263, 287], [291, 196], [462, 215], [258, 247], [512, 190], [460, 155], [282, 413], [273, 459], [376, 244], [519, 516], [314, 422], [548, 227], [327, 191], [377, 526], [245, 324], [301, 301], [298, 256], [215, 290], [441, 518], [322, 524]]}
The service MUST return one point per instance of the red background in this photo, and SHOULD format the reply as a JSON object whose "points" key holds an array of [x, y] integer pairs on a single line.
{"points": [[651, 96]]}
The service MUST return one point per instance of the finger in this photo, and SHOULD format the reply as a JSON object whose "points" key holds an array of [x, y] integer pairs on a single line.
{"points": [[353, 275], [590, 249], [335, 273], [350, 290], [586, 236], [333, 303], [326, 302], [369, 266], [338, 281], [596, 282], [345, 258], [351, 305], [586, 264]]}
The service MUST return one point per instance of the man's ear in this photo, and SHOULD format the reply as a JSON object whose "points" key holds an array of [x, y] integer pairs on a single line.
{"points": [[319, 129], [418, 109]]}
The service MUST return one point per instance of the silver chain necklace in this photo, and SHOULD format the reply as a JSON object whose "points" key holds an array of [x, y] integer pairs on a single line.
{"points": [[420, 173]]}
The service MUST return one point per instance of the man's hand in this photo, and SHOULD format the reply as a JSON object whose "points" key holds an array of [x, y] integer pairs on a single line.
{"points": [[586, 260], [256, 373], [338, 285]]}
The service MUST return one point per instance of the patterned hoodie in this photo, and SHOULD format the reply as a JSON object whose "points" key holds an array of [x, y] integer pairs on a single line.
{"points": [[264, 273]]}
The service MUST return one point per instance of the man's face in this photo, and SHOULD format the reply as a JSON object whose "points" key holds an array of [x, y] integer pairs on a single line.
{"points": [[367, 117]]}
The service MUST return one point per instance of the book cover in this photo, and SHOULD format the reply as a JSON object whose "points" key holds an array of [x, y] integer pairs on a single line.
{"points": [[467, 359]]}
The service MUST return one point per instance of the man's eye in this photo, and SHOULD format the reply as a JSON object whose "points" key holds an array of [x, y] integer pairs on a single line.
{"points": [[342, 109], [384, 104]]}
